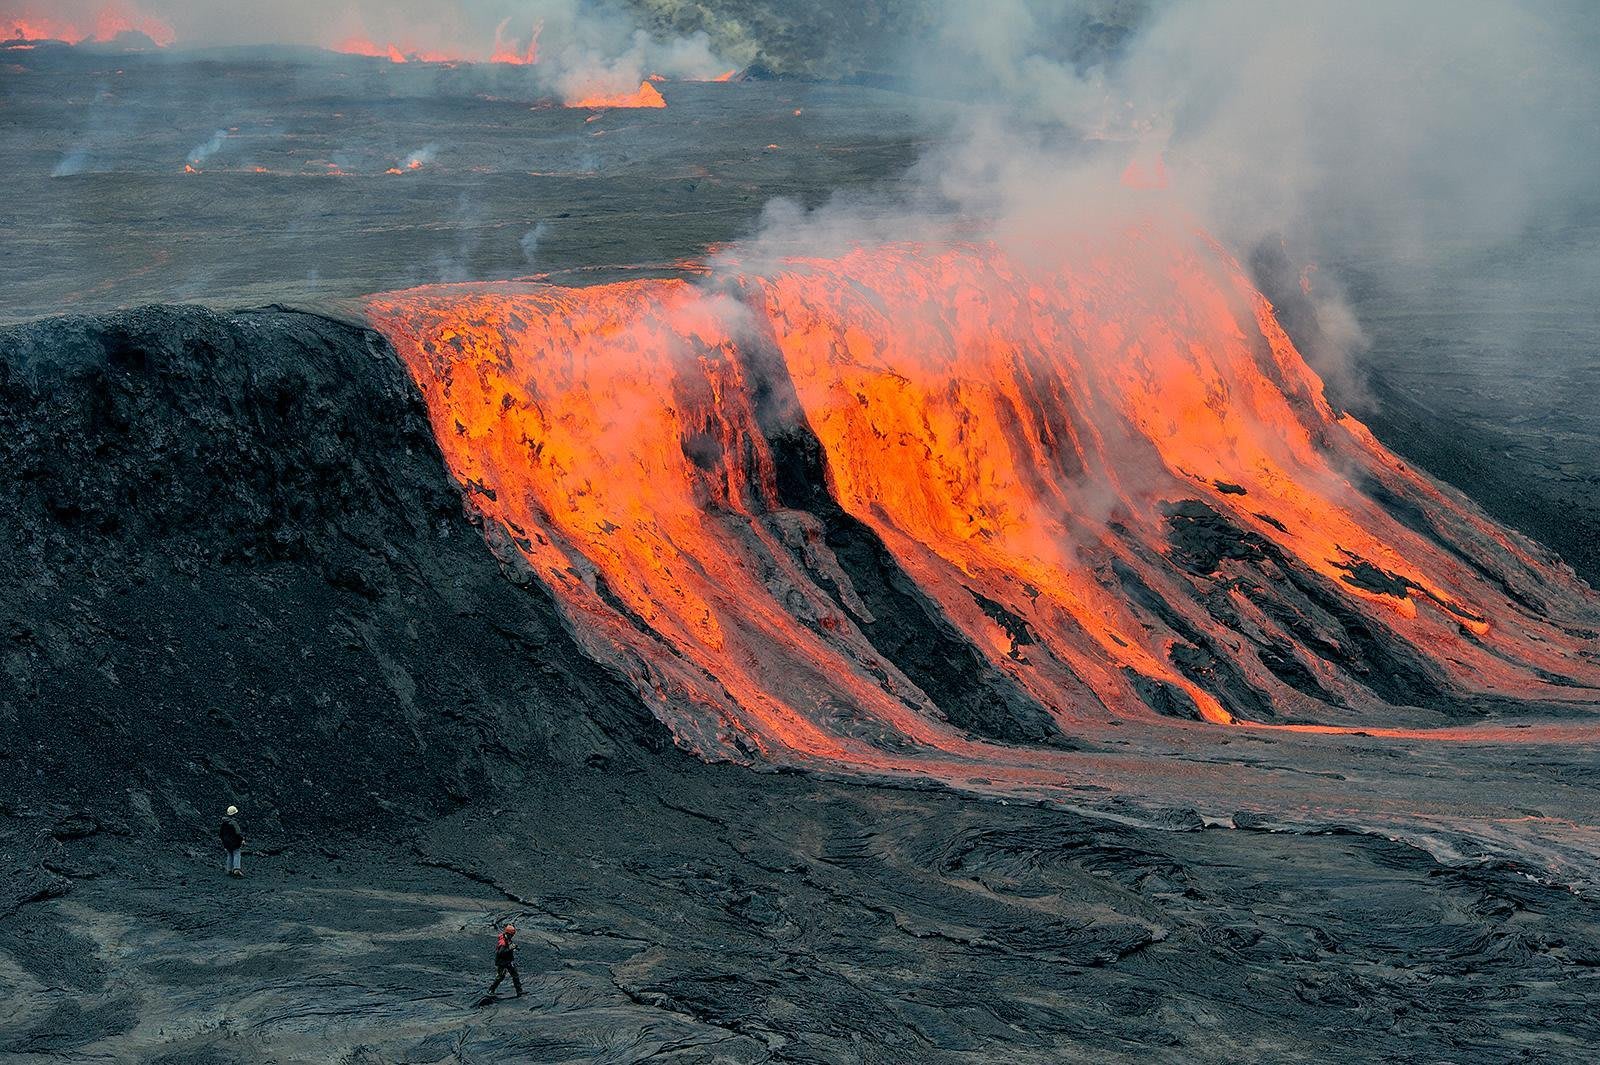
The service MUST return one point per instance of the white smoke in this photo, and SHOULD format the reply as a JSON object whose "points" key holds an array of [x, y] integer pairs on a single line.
{"points": [[419, 158], [531, 241], [75, 161], [587, 49], [200, 153], [1418, 139]]}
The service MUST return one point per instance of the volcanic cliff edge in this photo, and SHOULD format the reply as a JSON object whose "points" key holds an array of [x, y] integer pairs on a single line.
{"points": [[236, 570]]}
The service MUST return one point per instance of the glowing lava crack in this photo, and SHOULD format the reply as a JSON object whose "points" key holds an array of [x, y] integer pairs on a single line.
{"points": [[1113, 476]]}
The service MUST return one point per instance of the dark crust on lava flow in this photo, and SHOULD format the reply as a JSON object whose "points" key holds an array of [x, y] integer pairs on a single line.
{"points": [[1207, 543], [235, 569], [907, 628], [1525, 457]]}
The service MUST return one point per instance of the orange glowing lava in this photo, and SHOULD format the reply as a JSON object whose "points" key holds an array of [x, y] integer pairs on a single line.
{"points": [[647, 95], [394, 53], [509, 51], [1108, 469], [504, 50], [111, 21]]}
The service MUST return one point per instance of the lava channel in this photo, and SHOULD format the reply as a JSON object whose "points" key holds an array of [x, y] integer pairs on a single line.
{"points": [[1110, 472]]}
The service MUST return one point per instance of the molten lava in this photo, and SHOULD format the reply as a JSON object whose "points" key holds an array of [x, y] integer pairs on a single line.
{"points": [[504, 50], [110, 22], [647, 95], [1110, 472], [393, 52], [508, 51]]}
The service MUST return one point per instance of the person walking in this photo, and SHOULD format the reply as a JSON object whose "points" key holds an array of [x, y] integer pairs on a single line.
{"points": [[505, 960], [232, 836]]}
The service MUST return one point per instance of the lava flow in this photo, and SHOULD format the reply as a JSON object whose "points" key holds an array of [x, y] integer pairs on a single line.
{"points": [[394, 53], [646, 95], [508, 51], [111, 21], [1113, 476]]}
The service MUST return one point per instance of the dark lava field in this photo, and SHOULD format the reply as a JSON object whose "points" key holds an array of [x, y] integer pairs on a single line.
{"points": [[235, 567]]}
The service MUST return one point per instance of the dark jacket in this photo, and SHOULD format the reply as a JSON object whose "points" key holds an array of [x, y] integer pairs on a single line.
{"points": [[231, 834], [505, 952]]}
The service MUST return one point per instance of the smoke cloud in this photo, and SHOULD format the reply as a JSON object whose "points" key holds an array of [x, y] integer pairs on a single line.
{"points": [[202, 152], [531, 241], [1411, 146], [418, 159]]}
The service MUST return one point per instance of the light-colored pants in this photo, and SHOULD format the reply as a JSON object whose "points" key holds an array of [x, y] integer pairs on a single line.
{"points": [[233, 860]]}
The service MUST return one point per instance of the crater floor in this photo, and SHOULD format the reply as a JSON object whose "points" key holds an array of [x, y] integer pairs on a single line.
{"points": [[674, 911]]}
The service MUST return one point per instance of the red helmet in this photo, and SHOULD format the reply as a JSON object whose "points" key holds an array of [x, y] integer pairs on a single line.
{"points": [[511, 929]]}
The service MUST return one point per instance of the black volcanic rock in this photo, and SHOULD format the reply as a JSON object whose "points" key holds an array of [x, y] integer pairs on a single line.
{"points": [[905, 626], [235, 569]]}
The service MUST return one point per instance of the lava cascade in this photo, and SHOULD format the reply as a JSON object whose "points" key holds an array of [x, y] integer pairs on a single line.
{"points": [[1112, 475]]}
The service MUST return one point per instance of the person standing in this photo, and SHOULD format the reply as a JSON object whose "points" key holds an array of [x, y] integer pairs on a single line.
{"points": [[232, 836], [505, 960]]}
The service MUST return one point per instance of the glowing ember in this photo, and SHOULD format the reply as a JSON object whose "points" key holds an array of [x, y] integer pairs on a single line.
{"points": [[413, 162], [1113, 476], [646, 96]]}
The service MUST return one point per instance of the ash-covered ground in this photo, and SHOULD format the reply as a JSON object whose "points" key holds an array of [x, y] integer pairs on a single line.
{"points": [[507, 183], [235, 569]]}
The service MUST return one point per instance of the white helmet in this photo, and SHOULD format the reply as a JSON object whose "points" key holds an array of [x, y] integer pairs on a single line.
{"points": [[233, 811]]}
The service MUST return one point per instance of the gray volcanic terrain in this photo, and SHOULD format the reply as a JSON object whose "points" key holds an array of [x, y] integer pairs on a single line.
{"points": [[215, 593], [105, 216], [237, 567]]}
